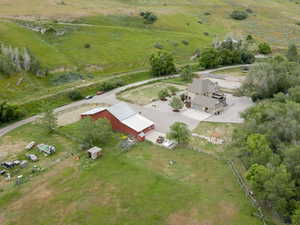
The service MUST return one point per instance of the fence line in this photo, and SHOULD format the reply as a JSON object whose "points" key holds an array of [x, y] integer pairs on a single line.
{"points": [[240, 179]]}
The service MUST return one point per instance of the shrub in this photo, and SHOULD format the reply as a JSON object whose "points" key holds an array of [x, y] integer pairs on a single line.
{"points": [[176, 103], [248, 10], [173, 90], [158, 45], [185, 42], [112, 84], [239, 15], [292, 53], [163, 94], [179, 132], [209, 58], [247, 57], [87, 45], [162, 64], [149, 17], [9, 113], [187, 73], [207, 14], [264, 48], [75, 95]]}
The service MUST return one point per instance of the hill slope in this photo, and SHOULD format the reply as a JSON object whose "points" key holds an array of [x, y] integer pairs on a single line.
{"points": [[120, 41]]}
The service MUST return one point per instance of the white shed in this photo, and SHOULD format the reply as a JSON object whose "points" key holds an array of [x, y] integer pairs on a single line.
{"points": [[94, 152]]}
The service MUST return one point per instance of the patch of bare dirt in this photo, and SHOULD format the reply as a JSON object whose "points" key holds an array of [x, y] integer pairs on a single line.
{"points": [[10, 147], [185, 218], [93, 68], [72, 115]]}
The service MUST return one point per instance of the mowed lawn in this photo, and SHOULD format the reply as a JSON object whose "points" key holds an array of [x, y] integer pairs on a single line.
{"points": [[135, 187], [145, 94]]}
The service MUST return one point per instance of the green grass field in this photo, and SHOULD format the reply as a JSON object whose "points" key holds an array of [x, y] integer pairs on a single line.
{"points": [[120, 41], [122, 188]]}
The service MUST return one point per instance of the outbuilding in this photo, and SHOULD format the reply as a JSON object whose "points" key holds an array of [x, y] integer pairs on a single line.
{"points": [[94, 152], [123, 119]]}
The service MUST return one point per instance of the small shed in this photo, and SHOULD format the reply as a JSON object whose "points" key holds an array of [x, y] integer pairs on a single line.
{"points": [[94, 152]]}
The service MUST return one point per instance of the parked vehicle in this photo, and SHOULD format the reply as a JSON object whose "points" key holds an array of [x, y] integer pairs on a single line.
{"points": [[169, 144], [32, 157], [47, 149], [8, 164], [88, 97]]}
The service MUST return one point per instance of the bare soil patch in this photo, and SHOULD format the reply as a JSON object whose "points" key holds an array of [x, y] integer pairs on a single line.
{"points": [[72, 115], [10, 147]]}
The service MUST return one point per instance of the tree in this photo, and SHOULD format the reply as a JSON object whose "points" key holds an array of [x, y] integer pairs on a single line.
{"points": [[9, 113], [176, 103], [292, 53], [96, 132], [264, 48], [162, 64], [294, 94], [292, 162], [149, 17], [48, 120], [163, 94], [179, 132], [269, 78], [75, 95], [258, 150], [238, 15], [272, 185], [296, 217], [187, 73], [209, 58]]}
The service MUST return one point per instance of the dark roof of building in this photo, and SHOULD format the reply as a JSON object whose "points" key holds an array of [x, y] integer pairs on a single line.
{"points": [[200, 86]]}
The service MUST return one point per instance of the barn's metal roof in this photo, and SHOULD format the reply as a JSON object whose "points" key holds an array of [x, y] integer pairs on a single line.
{"points": [[137, 122], [121, 111], [93, 111]]}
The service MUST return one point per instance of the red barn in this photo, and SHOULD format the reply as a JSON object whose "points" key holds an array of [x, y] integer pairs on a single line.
{"points": [[123, 119]]}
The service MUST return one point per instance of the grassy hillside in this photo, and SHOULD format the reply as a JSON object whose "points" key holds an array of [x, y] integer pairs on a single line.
{"points": [[120, 41]]}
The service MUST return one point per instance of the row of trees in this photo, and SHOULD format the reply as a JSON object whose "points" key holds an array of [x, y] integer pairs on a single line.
{"points": [[228, 52], [268, 141], [14, 60]]}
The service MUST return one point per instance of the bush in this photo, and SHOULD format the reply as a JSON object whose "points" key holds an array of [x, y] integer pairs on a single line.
{"points": [[248, 10], [112, 84], [185, 42], [173, 90], [176, 103], [179, 132], [9, 113], [158, 45], [87, 45], [187, 73], [239, 15], [163, 94], [162, 64], [75, 95], [264, 48], [149, 17], [209, 58]]}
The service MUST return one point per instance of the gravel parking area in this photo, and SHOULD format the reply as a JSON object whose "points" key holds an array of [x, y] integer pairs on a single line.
{"points": [[236, 105]]}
